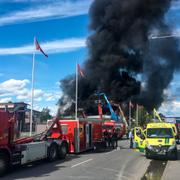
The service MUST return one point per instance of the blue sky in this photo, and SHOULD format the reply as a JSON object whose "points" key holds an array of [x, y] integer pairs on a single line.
{"points": [[61, 27]]}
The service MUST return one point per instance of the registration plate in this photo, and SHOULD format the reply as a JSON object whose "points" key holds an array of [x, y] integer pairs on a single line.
{"points": [[161, 153]]}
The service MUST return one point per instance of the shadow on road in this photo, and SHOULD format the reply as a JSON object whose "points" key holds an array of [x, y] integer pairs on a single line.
{"points": [[107, 149], [43, 168], [155, 170], [37, 169]]}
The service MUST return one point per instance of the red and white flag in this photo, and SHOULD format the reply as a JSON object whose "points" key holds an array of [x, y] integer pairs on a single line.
{"points": [[80, 71], [38, 47]]}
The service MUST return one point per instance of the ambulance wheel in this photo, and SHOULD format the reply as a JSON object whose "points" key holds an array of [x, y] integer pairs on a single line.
{"points": [[147, 154], [63, 150], [52, 153], [3, 164]]}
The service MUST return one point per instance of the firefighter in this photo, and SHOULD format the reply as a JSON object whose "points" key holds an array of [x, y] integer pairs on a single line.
{"points": [[114, 139], [105, 134], [109, 139]]}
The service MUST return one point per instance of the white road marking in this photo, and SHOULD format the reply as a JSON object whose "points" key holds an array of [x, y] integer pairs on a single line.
{"points": [[81, 163], [111, 151]]}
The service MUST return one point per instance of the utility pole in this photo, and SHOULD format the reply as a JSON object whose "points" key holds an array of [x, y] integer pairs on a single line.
{"points": [[137, 113]]}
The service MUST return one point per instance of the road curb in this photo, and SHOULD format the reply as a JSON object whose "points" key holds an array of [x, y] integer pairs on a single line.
{"points": [[142, 170], [172, 170], [166, 172]]}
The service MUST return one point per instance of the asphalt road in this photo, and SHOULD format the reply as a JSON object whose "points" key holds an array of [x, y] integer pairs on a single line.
{"points": [[122, 163]]}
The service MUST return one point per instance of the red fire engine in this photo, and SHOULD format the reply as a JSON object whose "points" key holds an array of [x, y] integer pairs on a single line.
{"points": [[89, 135], [61, 137], [116, 121], [111, 125]]}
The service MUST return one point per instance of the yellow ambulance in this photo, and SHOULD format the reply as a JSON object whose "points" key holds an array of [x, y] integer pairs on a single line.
{"points": [[157, 140]]}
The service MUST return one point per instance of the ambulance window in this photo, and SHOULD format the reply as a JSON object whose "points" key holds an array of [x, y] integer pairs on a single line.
{"points": [[159, 133]]}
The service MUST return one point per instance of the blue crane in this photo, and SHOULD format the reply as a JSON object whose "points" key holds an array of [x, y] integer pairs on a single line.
{"points": [[114, 116]]}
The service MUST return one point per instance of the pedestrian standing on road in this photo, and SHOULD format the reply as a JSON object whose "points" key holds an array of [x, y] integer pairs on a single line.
{"points": [[131, 138], [114, 139], [105, 134], [109, 138]]}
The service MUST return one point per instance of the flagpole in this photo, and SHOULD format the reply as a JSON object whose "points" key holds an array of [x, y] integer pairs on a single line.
{"points": [[32, 93], [76, 92], [76, 108], [130, 115]]}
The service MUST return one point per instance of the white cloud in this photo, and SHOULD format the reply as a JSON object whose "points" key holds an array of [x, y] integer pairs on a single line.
{"points": [[52, 96], [57, 46], [5, 100], [26, 94], [18, 90], [46, 11], [167, 92], [170, 108], [37, 107], [53, 110], [58, 83], [13, 86]]}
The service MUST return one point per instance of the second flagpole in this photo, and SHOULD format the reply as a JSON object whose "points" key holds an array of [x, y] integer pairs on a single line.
{"points": [[76, 108], [76, 101]]}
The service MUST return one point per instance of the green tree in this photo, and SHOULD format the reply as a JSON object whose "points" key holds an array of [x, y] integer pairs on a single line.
{"points": [[45, 115], [143, 117]]}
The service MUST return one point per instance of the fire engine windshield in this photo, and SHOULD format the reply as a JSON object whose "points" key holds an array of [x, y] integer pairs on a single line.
{"points": [[107, 127], [159, 133]]}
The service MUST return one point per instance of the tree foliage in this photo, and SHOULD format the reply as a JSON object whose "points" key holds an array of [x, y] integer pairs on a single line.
{"points": [[45, 115]]}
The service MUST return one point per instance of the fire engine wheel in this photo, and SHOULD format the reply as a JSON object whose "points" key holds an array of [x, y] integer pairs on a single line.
{"points": [[3, 164], [52, 152], [63, 150]]}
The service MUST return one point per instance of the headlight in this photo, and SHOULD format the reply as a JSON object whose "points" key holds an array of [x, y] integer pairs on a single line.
{"points": [[149, 147]]}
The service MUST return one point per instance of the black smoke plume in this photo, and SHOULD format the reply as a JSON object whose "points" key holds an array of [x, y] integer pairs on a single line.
{"points": [[120, 50]]}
